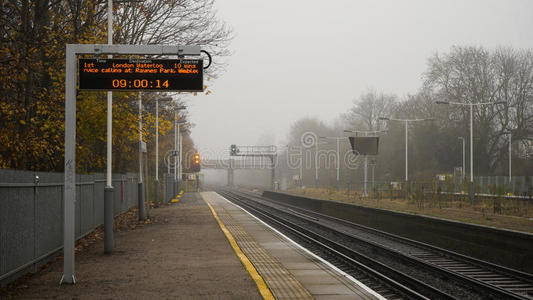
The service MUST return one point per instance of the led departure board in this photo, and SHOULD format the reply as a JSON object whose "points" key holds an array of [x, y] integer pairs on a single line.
{"points": [[364, 145], [141, 74]]}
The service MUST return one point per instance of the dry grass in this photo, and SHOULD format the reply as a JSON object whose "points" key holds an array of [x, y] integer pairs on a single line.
{"points": [[506, 214]]}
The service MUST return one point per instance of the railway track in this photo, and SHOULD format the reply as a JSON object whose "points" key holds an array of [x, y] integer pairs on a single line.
{"points": [[420, 269]]}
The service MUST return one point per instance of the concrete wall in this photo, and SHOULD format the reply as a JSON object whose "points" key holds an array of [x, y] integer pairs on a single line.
{"points": [[508, 248]]}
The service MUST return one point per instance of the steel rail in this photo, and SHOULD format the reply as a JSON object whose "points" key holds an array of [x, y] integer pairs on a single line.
{"points": [[434, 264], [401, 283]]}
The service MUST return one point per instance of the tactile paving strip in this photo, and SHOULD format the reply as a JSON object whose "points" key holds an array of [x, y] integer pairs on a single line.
{"points": [[281, 282]]}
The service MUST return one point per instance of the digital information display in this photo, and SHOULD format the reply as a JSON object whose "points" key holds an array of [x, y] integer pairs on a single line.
{"points": [[364, 145], [141, 74]]}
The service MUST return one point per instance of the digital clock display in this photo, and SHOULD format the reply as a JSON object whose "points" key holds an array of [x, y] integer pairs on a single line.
{"points": [[141, 74]]}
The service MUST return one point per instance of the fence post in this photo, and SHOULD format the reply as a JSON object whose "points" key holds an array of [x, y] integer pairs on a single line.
{"points": [[36, 181]]}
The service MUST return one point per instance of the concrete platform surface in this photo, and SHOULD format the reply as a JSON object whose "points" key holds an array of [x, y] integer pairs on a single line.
{"points": [[289, 271], [183, 255]]}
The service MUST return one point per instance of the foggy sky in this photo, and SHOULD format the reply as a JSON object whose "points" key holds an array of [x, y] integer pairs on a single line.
{"points": [[312, 58]]}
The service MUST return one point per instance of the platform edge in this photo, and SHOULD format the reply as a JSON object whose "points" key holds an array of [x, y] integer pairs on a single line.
{"points": [[259, 281]]}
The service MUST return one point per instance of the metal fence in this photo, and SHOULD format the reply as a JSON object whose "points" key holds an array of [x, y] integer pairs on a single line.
{"points": [[169, 188], [518, 185], [31, 214]]}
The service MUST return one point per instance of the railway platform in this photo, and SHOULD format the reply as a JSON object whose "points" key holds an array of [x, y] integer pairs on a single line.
{"points": [[201, 247], [289, 271]]}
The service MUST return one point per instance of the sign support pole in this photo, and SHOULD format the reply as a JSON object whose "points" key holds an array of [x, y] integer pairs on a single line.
{"points": [[70, 167], [69, 199], [109, 220]]}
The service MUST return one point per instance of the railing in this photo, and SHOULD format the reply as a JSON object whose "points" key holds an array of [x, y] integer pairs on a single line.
{"points": [[31, 214]]}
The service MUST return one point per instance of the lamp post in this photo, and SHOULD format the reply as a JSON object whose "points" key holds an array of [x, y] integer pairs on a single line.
{"points": [[301, 162], [509, 134], [108, 189], [471, 105], [142, 148], [337, 163], [366, 132], [406, 122], [510, 153], [317, 162], [463, 167], [176, 151], [156, 183]]}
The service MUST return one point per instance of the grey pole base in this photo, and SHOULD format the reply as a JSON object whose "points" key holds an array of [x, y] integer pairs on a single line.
{"points": [[142, 212], [156, 193], [109, 220], [68, 280]]}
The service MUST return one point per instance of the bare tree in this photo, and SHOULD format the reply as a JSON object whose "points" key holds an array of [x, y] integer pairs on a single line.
{"points": [[475, 75], [186, 22], [368, 108]]}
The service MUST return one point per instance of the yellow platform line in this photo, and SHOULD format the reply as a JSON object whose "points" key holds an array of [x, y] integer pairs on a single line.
{"points": [[261, 285]]}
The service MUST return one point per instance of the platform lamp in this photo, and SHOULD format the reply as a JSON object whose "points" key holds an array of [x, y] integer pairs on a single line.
{"points": [[509, 133], [406, 121], [176, 152], [471, 191], [109, 220], [337, 162], [156, 183], [463, 170]]}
